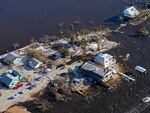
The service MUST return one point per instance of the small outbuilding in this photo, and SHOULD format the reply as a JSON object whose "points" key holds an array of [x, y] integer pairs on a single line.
{"points": [[131, 12], [34, 63]]}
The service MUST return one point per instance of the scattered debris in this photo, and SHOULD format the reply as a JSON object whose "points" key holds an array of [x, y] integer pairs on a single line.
{"points": [[146, 99], [142, 17], [126, 77]]}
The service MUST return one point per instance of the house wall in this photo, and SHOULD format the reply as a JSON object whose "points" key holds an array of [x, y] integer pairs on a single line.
{"points": [[108, 76], [105, 64], [96, 76]]}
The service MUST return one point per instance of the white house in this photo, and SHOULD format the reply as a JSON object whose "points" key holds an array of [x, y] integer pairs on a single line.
{"points": [[105, 60], [131, 12], [34, 63], [12, 58]]}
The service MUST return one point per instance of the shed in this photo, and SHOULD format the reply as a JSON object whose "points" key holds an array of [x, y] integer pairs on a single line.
{"points": [[34, 63]]}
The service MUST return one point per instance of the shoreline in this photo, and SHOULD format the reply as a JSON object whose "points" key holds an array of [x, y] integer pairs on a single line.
{"points": [[52, 70], [45, 81]]}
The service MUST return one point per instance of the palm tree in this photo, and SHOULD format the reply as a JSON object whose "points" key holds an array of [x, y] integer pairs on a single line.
{"points": [[83, 44], [84, 31], [144, 32], [72, 28], [99, 45], [15, 45], [32, 40], [45, 40], [61, 32]]}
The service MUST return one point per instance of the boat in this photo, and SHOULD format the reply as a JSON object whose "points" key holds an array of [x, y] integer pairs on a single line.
{"points": [[140, 69], [146, 99]]}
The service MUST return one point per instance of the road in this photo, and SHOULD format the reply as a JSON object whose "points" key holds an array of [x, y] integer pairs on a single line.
{"points": [[42, 83]]}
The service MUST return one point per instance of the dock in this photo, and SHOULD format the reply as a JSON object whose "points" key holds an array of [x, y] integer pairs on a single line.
{"points": [[126, 77]]}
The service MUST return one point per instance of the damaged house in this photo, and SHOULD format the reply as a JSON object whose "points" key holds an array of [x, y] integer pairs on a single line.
{"points": [[101, 70]]}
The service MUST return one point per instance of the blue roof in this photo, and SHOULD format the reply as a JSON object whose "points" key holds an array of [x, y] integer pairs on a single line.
{"points": [[15, 73], [10, 57], [103, 57], [7, 78]]}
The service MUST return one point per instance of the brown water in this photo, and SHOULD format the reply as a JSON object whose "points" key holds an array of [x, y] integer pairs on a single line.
{"points": [[22, 19], [128, 96]]}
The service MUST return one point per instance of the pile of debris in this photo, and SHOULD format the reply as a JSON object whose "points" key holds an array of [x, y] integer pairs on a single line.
{"points": [[42, 104], [142, 17], [58, 90], [80, 88]]}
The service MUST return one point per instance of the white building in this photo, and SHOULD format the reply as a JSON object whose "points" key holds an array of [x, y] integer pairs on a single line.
{"points": [[105, 60], [131, 12]]}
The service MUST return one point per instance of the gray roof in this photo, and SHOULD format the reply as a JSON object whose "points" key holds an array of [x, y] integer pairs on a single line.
{"points": [[34, 62], [90, 66], [10, 57]]}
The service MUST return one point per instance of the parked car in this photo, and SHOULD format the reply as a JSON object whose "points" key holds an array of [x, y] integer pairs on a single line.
{"points": [[16, 95], [25, 91], [31, 87], [10, 98], [37, 79], [60, 66], [28, 84], [18, 86], [20, 92]]}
